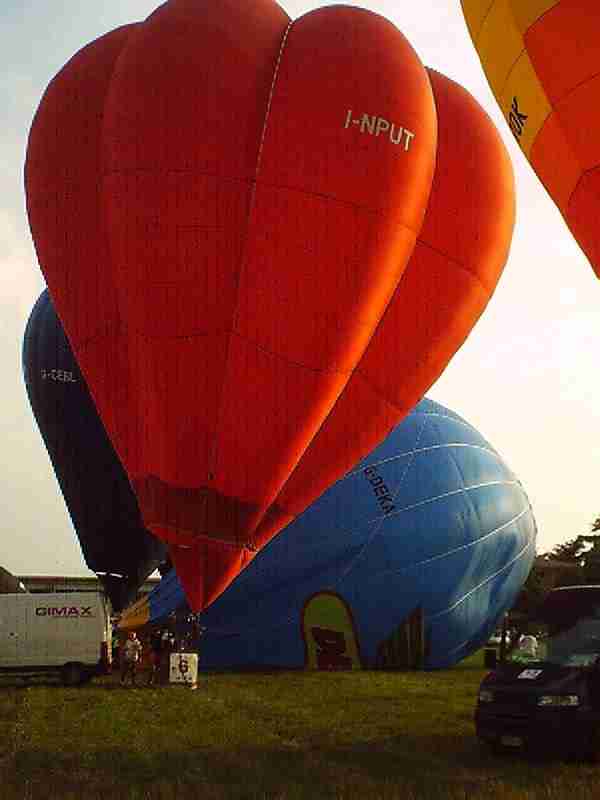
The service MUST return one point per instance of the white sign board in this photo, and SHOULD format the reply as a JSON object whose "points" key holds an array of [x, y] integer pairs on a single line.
{"points": [[183, 668], [530, 674]]}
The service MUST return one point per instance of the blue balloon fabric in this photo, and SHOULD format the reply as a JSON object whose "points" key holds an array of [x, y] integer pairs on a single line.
{"points": [[431, 526], [105, 514]]}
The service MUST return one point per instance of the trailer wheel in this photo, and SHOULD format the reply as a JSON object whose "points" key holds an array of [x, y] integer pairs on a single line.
{"points": [[72, 674]]}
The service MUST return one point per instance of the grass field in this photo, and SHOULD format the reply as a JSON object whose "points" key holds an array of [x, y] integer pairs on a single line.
{"points": [[295, 735]]}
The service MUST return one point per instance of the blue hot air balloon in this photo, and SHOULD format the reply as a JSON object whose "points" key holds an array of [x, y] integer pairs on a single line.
{"points": [[101, 503], [431, 536]]}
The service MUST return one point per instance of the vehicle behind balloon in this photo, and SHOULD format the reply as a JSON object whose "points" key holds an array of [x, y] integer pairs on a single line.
{"points": [[543, 695], [66, 634]]}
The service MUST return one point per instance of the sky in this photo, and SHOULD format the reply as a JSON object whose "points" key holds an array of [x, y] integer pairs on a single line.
{"points": [[526, 378]]}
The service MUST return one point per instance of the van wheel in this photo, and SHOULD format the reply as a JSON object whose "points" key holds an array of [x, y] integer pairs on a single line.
{"points": [[592, 753], [492, 747], [72, 674]]}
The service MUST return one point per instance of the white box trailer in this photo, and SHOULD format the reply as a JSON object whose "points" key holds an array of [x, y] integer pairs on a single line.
{"points": [[69, 633]]}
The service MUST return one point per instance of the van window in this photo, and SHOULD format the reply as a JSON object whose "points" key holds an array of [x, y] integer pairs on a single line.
{"points": [[566, 643]]}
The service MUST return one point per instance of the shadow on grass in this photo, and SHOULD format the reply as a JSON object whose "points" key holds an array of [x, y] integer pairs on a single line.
{"points": [[424, 769], [17, 682]]}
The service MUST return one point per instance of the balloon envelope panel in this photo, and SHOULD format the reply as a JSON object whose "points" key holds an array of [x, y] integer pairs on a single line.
{"points": [[541, 61], [96, 489], [208, 177], [433, 519]]}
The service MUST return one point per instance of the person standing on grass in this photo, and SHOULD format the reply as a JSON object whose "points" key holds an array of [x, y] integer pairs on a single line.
{"points": [[167, 647], [132, 653], [155, 656]]}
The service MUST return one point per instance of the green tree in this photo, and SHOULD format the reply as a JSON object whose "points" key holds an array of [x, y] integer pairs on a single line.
{"points": [[569, 551], [530, 596], [591, 558], [583, 552], [575, 561]]}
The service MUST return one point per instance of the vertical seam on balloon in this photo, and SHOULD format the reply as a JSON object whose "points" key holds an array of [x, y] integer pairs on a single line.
{"points": [[464, 492], [213, 457], [269, 104], [380, 521], [426, 449], [521, 37], [584, 172], [356, 369], [431, 559], [440, 614], [467, 545], [290, 617], [489, 578], [354, 372], [453, 493], [476, 36], [537, 19], [578, 85], [499, 94]]}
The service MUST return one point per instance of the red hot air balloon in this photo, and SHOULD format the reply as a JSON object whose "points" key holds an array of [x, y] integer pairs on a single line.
{"points": [[458, 259], [224, 203]]}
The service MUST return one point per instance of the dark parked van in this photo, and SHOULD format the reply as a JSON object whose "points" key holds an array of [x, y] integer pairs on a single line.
{"points": [[544, 694]]}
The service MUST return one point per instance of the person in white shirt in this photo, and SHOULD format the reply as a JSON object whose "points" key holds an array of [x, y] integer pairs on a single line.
{"points": [[132, 654]]}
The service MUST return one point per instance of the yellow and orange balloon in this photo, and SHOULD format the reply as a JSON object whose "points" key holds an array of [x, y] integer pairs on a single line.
{"points": [[265, 240], [542, 61]]}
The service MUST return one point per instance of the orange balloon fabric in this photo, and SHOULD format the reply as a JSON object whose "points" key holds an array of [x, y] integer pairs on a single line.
{"points": [[541, 60], [224, 204]]}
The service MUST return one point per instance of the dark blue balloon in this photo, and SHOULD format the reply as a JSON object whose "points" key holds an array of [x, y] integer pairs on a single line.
{"points": [[101, 503], [432, 526]]}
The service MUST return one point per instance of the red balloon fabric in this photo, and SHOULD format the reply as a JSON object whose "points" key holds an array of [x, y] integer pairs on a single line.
{"points": [[454, 269], [224, 203]]}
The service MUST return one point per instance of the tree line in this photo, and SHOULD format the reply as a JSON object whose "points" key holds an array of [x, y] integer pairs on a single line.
{"points": [[574, 562]]}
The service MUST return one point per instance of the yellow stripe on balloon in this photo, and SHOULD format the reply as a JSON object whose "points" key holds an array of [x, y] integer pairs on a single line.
{"points": [[497, 30], [136, 615], [524, 103], [526, 12], [500, 44], [540, 59], [475, 12]]}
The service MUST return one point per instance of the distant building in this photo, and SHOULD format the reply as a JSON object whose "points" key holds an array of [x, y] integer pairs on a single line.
{"points": [[62, 583]]}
